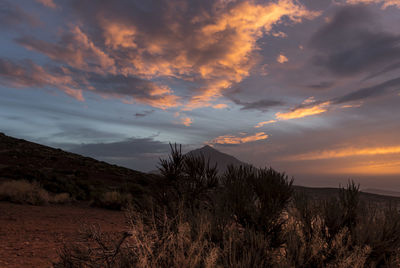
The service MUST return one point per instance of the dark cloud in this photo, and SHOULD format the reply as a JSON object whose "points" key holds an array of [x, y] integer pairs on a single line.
{"points": [[26, 73], [141, 41], [370, 92], [144, 113], [73, 132], [12, 15], [261, 105], [322, 85], [136, 153], [352, 42], [387, 69]]}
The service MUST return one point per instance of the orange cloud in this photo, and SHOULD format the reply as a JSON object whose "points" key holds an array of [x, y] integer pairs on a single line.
{"points": [[347, 152], [47, 3], [230, 139], [220, 106], [264, 123], [162, 102], [29, 74], [214, 49], [119, 35], [351, 105], [279, 34], [387, 167], [384, 3], [76, 49], [248, 21], [186, 121], [282, 58], [309, 100], [304, 111]]}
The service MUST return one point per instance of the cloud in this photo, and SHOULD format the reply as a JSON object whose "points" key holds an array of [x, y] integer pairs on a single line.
{"points": [[352, 43], [137, 153], [369, 92], [130, 89], [282, 58], [279, 34], [210, 43], [75, 49], [261, 124], [144, 113], [186, 121], [383, 3], [357, 105], [231, 139], [12, 15], [322, 85], [140, 90], [220, 106], [26, 73], [346, 152], [261, 105], [304, 111], [47, 3], [387, 69]]}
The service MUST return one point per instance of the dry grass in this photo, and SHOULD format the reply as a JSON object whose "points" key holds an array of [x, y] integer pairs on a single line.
{"points": [[251, 219], [62, 198], [113, 200], [23, 192]]}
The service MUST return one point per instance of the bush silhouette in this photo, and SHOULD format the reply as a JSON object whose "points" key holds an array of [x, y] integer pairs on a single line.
{"points": [[247, 217]]}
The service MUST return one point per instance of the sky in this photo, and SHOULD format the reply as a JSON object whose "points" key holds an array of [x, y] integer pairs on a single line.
{"points": [[309, 87]]}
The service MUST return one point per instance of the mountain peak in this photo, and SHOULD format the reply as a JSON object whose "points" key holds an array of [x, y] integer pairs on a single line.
{"points": [[207, 148], [222, 160]]}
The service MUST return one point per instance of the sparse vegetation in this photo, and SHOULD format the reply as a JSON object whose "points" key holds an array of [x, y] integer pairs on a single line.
{"points": [[192, 217], [246, 218], [23, 192], [113, 200], [62, 198]]}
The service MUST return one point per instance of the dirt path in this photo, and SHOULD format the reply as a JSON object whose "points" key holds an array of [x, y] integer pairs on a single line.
{"points": [[30, 236]]}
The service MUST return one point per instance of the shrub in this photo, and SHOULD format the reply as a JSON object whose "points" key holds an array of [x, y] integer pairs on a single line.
{"points": [[380, 229], [62, 198], [113, 200], [247, 218], [171, 243], [342, 211], [256, 198], [23, 192], [186, 180]]}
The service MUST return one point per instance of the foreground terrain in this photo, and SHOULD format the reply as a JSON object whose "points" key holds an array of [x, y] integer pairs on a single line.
{"points": [[31, 236]]}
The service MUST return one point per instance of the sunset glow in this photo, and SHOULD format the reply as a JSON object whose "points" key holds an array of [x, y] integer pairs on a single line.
{"points": [[230, 139], [303, 112], [347, 152], [300, 85]]}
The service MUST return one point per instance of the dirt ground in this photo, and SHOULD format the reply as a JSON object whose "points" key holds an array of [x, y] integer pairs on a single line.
{"points": [[30, 236]]}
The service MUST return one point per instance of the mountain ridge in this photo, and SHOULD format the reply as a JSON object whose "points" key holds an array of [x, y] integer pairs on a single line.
{"points": [[21, 159], [222, 160]]}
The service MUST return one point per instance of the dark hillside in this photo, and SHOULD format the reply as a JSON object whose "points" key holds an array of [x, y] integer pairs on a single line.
{"points": [[60, 171]]}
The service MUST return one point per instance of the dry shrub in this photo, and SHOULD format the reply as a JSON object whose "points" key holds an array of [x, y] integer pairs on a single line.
{"points": [[62, 198], [317, 249], [23, 192], [98, 250], [175, 242], [172, 243], [113, 200], [244, 221]]}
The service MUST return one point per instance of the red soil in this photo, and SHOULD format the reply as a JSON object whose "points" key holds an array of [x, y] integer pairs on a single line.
{"points": [[30, 236]]}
